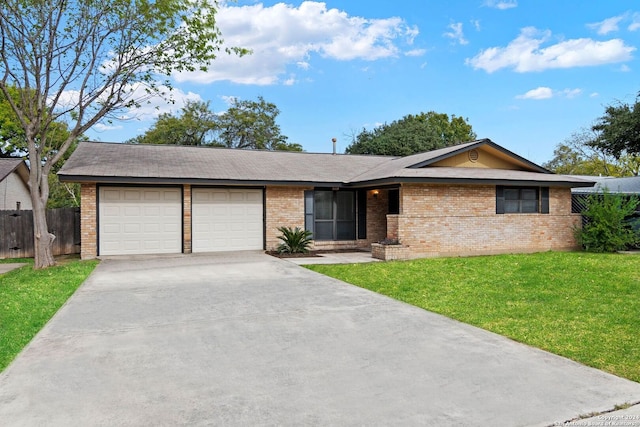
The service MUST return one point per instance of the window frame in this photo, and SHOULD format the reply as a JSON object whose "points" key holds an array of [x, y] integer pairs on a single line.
{"points": [[542, 199], [357, 219]]}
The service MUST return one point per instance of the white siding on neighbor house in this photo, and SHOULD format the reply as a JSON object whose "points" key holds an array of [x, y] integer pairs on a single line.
{"points": [[140, 220], [12, 190], [227, 219]]}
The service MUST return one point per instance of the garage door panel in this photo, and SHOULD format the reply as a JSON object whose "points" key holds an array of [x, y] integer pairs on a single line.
{"points": [[132, 195], [110, 195], [227, 219], [138, 220]]}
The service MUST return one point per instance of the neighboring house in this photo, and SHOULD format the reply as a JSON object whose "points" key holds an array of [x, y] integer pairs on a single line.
{"points": [[14, 191], [628, 186], [470, 199]]}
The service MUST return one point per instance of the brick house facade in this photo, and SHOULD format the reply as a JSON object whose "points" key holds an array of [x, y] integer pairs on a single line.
{"points": [[475, 198]]}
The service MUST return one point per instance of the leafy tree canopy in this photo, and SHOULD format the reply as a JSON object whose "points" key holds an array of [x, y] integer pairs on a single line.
{"points": [[619, 129], [580, 155], [194, 125], [245, 125], [413, 134]]}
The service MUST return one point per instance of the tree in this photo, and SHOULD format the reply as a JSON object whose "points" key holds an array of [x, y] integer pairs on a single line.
{"points": [[413, 134], [63, 194], [12, 144], [619, 129], [245, 125], [194, 126], [252, 125], [12, 140], [579, 155], [83, 61]]}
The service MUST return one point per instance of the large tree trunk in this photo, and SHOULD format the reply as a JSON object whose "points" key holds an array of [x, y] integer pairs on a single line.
{"points": [[39, 189], [43, 240]]}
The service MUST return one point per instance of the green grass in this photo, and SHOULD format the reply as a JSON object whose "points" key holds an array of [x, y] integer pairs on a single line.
{"points": [[29, 298], [582, 306]]}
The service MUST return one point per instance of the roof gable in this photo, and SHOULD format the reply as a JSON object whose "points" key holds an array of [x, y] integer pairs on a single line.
{"points": [[10, 165], [483, 153]]}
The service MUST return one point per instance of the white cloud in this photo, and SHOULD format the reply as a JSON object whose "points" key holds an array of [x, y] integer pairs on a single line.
{"points": [[607, 26], [594, 95], [635, 22], [102, 127], [415, 52], [229, 99], [456, 33], [476, 24], [501, 4], [544, 92], [150, 106], [571, 93], [625, 68], [525, 54], [541, 92], [283, 35]]}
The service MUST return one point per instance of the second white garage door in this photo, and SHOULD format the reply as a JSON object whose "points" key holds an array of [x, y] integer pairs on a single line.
{"points": [[226, 219]]}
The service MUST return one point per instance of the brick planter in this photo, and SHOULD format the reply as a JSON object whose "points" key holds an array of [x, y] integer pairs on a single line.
{"points": [[389, 252]]}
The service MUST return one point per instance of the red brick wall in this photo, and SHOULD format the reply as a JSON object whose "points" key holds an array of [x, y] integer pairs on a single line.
{"points": [[88, 224], [440, 220]]}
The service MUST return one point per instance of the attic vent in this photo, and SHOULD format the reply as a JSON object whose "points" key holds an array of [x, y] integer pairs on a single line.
{"points": [[473, 155]]}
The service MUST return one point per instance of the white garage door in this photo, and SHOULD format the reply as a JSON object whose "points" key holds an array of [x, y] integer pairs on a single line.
{"points": [[226, 219], [140, 220]]}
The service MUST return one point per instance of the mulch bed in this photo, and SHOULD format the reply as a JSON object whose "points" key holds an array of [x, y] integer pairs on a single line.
{"points": [[311, 254]]}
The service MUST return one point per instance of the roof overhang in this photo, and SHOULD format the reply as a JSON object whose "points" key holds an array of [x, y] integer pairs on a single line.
{"points": [[192, 181], [470, 181], [390, 181]]}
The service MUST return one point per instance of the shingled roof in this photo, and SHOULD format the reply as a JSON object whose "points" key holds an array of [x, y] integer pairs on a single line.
{"points": [[136, 163], [627, 185], [8, 165]]}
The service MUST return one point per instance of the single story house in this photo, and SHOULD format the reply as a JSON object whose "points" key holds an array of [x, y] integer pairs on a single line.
{"points": [[14, 189], [469, 199]]}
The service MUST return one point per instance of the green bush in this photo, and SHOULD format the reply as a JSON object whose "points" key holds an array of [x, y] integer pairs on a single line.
{"points": [[294, 241], [607, 227]]}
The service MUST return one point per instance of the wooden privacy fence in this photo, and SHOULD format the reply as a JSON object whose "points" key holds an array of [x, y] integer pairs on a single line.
{"points": [[16, 232]]}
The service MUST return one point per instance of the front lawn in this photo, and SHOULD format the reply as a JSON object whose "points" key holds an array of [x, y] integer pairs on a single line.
{"points": [[29, 298], [582, 306]]}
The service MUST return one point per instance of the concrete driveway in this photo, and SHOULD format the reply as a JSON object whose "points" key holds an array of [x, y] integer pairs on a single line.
{"points": [[247, 339]]}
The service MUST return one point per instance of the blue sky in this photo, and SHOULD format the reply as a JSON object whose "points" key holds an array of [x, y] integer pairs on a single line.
{"points": [[526, 73]]}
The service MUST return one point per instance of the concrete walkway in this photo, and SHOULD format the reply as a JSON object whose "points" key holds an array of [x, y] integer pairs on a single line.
{"points": [[335, 258], [5, 268], [248, 339]]}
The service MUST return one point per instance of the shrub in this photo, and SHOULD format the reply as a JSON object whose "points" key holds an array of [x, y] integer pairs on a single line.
{"points": [[294, 241], [607, 227]]}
